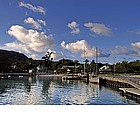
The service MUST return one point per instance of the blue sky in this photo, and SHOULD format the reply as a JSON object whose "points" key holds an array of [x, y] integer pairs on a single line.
{"points": [[72, 27]]}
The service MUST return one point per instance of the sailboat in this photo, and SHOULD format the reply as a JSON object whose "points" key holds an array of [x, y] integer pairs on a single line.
{"points": [[94, 78]]}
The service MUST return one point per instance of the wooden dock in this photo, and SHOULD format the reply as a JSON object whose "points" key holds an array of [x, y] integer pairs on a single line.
{"points": [[121, 82], [132, 93], [127, 86], [130, 90], [4, 75]]}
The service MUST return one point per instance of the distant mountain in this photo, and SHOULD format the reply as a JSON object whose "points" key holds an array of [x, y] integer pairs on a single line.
{"points": [[12, 56], [7, 58]]}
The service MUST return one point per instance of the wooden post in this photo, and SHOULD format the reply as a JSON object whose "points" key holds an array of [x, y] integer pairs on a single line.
{"points": [[87, 78]]}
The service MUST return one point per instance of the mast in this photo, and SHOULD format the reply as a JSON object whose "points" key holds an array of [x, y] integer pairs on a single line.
{"points": [[96, 60], [84, 60]]}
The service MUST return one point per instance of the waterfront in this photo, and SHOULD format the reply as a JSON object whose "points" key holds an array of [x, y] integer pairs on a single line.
{"points": [[55, 91]]}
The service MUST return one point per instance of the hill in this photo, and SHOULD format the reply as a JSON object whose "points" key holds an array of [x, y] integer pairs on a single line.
{"points": [[12, 56], [8, 58]]}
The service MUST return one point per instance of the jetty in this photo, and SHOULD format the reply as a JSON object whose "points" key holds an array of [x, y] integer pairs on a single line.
{"points": [[4, 75], [121, 81], [127, 85], [130, 90]]}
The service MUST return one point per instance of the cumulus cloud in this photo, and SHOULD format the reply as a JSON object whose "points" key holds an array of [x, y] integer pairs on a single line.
{"points": [[136, 47], [74, 27], [83, 48], [35, 24], [56, 55], [30, 42], [122, 50], [133, 32], [41, 22], [18, 47], [34, 56], [98, 28], [38, 9]]}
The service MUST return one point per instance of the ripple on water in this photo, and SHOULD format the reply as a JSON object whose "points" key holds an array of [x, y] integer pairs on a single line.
{"points": [[51, 90]]}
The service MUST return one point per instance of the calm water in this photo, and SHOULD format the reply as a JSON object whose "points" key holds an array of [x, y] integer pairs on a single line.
{"points": [[55, 91]]}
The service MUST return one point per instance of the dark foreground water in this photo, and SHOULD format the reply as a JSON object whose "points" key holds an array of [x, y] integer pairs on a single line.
{"points": [[55, 91]]}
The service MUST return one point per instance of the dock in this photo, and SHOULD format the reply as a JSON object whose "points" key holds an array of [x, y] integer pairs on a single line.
{"points": [[2, 75], [121, 81], [132, 93], [127, 85], [130, 90]]}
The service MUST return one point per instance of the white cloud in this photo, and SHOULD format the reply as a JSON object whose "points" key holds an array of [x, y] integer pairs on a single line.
{"points": [[122, 50], [41, 22], [136, 47], [83, 48], [56, 55], [18, 47], [34, 56], [34, 23], [29, 41], [32, 43], [74, 27], [98, 28], [38, 9], [133, 32]]}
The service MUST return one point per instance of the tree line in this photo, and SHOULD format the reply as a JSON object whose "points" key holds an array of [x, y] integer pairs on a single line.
{"points": [[16, 62]]}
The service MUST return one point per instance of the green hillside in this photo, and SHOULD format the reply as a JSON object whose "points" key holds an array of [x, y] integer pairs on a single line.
{"points": [[10, 58]]}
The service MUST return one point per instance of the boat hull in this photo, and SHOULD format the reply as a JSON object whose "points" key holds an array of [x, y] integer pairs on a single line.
{"points": [[71, 78], [94, 80]]}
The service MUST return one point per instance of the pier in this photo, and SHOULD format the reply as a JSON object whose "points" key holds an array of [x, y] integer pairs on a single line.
{"points": [[121, 81], [132, 93], [127, 85], [2, 75]]}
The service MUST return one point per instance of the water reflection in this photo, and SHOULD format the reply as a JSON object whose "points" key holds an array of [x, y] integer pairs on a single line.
{"points": [[55, 91], [80, 93]]}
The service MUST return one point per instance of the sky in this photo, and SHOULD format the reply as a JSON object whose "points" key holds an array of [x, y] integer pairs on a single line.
{"points": [[72, 29]]}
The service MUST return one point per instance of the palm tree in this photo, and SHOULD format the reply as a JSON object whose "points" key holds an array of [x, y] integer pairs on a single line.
{"points": [[86, 64], [93, 66], [48, 59], [76, 62]]}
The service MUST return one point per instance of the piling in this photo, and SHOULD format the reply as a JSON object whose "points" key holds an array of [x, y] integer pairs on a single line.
{"points": [[125, 88]]}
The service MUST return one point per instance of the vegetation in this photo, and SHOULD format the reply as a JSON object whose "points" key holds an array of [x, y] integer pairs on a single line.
{"points": [[11, 61], [128, 67], [48, 60]]}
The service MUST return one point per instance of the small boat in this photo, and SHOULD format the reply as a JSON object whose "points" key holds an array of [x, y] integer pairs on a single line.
{"points": [[94, 79], [71, 77], [20, 76]]}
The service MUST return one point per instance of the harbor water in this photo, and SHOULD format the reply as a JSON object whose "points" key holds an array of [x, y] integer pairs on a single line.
{"points": [[45, 90]]}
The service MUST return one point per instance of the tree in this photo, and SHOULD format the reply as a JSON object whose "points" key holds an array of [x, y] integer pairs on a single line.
{"points": [[86, 65], [92, 66], [48, 59], [76, 62]]}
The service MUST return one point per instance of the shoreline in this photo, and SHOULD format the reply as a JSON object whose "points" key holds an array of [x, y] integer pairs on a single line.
{"points": [[50, 75], [2, 75]]}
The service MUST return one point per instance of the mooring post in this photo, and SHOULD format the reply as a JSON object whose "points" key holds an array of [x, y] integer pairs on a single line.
{"points": [[87, 78]]}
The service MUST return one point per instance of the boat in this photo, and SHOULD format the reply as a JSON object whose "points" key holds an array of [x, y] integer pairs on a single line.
{"points": [[20, 76], [94, 79], [71, 77], [9, 76]]}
